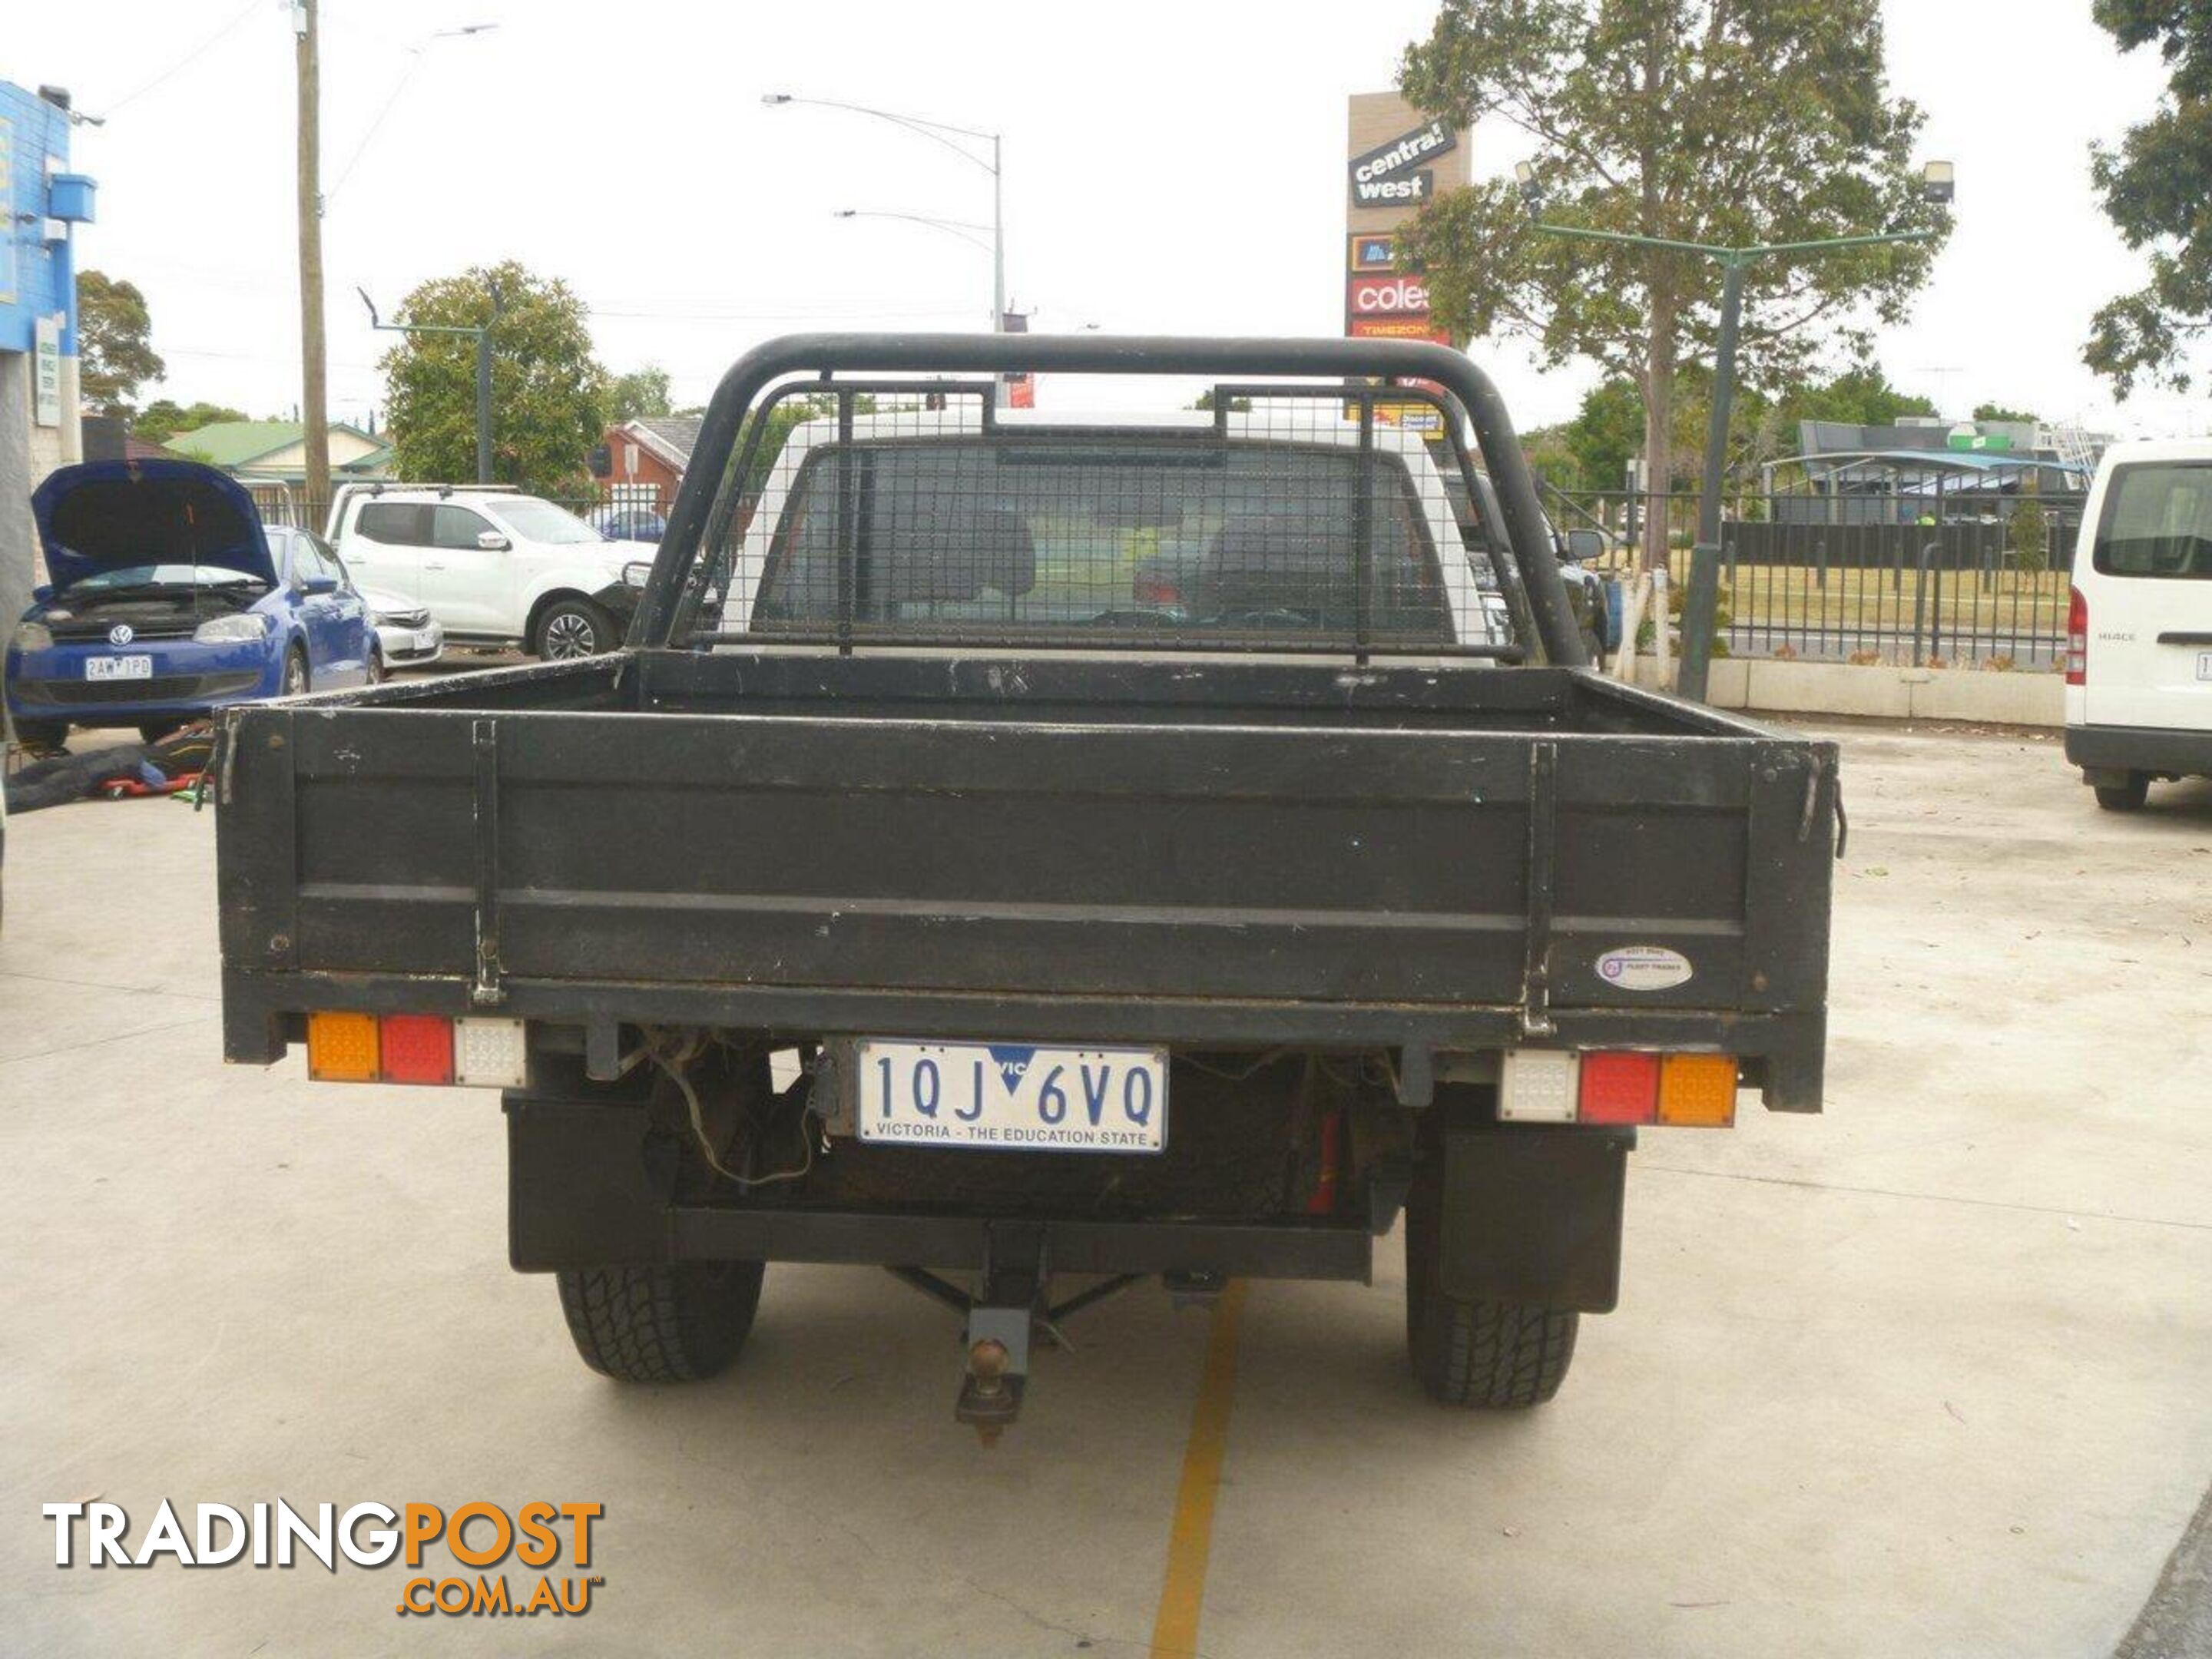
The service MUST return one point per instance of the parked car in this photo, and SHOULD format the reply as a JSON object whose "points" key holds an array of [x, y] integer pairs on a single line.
{"points": [[628, 524], [2139, 623], [169, 597], [493, 566], [850, 915], [1481, 523], [407, 635]]}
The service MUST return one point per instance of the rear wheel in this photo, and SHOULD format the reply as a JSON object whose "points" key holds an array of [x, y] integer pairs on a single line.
{"points": [[295, 674], [2127, 797], [676, 1324], [573, 628], [42, 734], [1482, 1355]]}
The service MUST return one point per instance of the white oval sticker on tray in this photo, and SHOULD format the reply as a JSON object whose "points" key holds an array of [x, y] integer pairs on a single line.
{"points": [[1644, 967]]}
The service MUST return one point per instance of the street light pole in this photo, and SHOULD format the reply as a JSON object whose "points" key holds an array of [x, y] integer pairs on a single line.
{"points": [[1709, 498], [937, 132], [314, 411], [482, 335]]}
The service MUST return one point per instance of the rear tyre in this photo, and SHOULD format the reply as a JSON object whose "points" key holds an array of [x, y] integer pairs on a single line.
{"points": [[2127, 797], [297, 679], [568, 628], [679, 1324], [42, 734], [1483, 1356]]}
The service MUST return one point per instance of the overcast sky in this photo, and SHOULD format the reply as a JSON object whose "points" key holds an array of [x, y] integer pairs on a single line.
{"points": [[1169, 166]]}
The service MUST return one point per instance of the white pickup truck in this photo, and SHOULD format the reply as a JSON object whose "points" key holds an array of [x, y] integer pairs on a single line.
{"points": [[492, 566]]}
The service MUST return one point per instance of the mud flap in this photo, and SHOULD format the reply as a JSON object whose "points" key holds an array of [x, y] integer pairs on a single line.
{"points": [[588, 1185], [1532, 1216]]}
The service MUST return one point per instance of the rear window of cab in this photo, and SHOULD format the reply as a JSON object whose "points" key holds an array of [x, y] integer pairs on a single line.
{"points": [[2157, 522]]}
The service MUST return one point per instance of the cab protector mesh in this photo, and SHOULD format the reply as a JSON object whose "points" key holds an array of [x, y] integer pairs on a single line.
{"points": [[1294, 518]]}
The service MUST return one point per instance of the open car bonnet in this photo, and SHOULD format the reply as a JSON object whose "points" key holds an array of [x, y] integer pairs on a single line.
{"points": [[108, 515]]}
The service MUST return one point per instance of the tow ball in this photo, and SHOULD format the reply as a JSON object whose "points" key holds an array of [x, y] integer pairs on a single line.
{"points": [[1005, 1318]]}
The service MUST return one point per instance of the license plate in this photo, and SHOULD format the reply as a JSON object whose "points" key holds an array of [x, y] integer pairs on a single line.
{"points": [[119, 668], [1012, 1097]]}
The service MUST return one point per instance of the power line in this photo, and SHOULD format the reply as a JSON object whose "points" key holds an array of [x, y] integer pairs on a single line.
{"points": [[190, 58], [763, 316]]}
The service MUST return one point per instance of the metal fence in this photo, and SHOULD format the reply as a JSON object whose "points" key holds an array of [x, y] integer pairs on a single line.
{"points": [[1843, 580], [1821, 579]]}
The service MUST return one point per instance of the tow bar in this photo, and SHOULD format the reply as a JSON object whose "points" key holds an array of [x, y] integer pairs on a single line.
{"points": [[1011, 1308]]}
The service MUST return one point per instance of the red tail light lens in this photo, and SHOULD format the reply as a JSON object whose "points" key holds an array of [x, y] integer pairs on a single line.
{"points": [[2077, 638], [1153, 588], [417, 1048], [1619, 1088]]}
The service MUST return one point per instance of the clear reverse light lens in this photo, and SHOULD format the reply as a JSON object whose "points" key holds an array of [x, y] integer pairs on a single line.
{"points": [[231, 631], [1538, 1085]]}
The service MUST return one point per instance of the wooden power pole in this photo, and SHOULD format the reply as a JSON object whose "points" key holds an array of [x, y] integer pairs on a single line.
{"points": [[313, 394]]}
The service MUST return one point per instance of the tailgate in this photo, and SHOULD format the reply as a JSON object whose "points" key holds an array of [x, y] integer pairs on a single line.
{"points": [[1009, 860]]}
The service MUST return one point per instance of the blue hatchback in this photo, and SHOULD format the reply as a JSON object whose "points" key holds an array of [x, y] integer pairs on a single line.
{"points": [[170, 597]]}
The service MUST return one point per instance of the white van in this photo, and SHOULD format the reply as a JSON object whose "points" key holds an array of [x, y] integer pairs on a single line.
{"points": [[2139, 626]]}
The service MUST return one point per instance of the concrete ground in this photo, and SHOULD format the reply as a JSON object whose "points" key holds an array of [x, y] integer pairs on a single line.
{"points": [[1927, 1375]]}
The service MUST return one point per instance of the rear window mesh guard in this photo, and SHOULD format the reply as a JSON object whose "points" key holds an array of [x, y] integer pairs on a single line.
{"points": [[1295, 518]]}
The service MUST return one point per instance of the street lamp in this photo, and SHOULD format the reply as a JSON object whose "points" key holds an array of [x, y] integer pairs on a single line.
{"points": [[1938, 184], [482, 335], [941, 132]]}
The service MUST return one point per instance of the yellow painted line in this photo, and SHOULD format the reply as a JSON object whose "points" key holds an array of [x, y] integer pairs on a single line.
{"points": [[1190, 1540]]}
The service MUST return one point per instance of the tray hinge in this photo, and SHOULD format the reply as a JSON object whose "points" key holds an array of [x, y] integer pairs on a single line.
{"points": [[484, 742], [1543, 843]]}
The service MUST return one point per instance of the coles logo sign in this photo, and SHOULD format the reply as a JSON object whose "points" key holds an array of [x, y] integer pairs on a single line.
{"points": [[1390, 295]]}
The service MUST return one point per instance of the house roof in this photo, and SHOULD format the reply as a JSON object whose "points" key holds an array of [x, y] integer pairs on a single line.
{"points": [[672, 437], [229, 444]]}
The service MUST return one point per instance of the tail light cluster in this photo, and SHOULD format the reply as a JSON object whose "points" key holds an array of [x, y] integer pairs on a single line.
{"points": [[1633, 1085], [2077, 638], [350, 1047]]}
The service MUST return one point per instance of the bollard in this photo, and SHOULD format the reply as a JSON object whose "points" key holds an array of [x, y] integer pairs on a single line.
{"points": [[1920, 603]]}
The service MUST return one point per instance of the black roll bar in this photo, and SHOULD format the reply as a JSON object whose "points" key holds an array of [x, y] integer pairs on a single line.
{"points": [[826, 355]]}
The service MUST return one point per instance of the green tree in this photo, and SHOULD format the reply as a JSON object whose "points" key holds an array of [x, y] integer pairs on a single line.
{"points": [[1706, 121], [2155, 187], [640, 394], [162, 419], [1860, 396], [2030, 533], [1999, 412], [548, 395], [1606, 434], [115, 354], [1546, 450]]}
